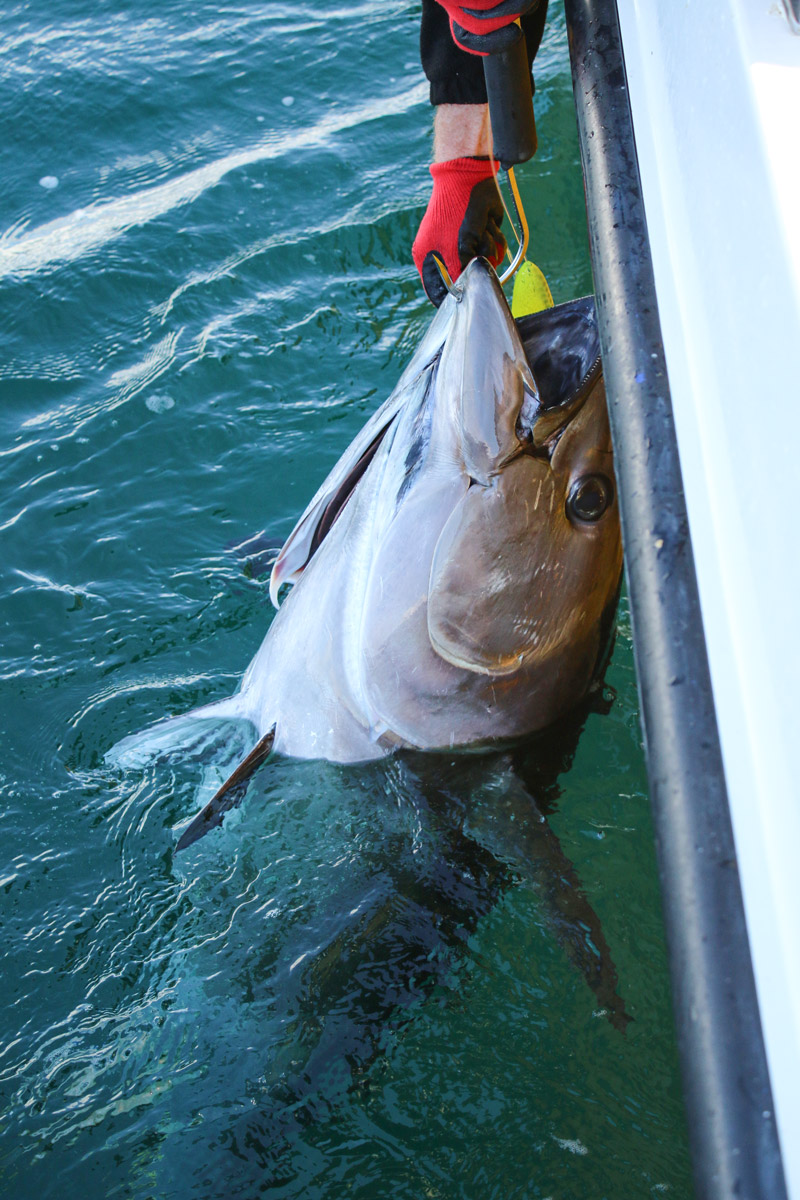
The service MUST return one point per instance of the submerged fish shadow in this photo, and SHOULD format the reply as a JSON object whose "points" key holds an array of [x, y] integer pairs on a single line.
{"points": [[474, 828]]}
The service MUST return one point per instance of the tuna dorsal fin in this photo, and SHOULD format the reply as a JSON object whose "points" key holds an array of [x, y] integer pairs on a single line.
{"points": [[229, 795]]}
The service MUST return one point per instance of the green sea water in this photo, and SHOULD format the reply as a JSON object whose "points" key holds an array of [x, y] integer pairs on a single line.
{"points": [[372, 981]]}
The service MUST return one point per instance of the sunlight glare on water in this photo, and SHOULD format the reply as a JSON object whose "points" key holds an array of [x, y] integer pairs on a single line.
{"points": [[372, 981]]}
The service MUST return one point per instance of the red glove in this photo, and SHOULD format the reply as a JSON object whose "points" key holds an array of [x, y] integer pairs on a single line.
{"points": [[486, 26], [462, 221]]}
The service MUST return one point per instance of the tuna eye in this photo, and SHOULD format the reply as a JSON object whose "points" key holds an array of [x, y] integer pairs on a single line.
{"points": [[589, 498]]}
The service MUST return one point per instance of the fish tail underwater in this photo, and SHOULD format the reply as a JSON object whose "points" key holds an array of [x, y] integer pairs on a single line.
{"points": [[429, 973]]}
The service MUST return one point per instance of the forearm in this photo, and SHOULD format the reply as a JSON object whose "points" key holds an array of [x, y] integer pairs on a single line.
{"points": [[461, 131]]}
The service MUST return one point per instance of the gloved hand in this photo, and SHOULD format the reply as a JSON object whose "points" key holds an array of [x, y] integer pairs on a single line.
{"points": [[462, 220], [486, 26]]}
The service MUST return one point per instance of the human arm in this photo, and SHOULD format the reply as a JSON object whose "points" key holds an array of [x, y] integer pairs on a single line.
{"points": [[461, 131], [465, 211]]}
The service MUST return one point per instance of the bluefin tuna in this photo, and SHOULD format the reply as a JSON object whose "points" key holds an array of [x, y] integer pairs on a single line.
{"points": [[455, 577]]}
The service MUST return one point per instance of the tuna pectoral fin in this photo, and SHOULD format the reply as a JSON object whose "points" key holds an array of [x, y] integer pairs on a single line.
{"points": [[229, 795]]}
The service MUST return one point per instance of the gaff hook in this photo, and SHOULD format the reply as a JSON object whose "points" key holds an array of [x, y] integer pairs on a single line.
{"points": [[523, 235], [446, 276]]}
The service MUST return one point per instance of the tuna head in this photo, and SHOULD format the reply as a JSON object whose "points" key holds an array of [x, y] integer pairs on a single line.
{"points": [[528, 562]]}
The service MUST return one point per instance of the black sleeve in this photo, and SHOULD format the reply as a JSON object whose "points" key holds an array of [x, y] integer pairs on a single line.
{"points": [[455, 76]]}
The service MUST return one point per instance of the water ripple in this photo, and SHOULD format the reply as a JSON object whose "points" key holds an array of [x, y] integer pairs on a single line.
{"points": [[68, 238]]}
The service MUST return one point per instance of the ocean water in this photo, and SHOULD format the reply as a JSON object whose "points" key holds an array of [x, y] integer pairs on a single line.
{"points": [[394, 980]]}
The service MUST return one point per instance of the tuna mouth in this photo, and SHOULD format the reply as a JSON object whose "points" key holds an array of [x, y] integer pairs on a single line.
{"points": [[553, 421], [540, 425], [562, 346]]}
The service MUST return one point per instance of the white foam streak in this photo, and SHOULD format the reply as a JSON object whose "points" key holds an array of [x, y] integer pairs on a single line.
{"points": [[158, 359], [87, 229]]}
